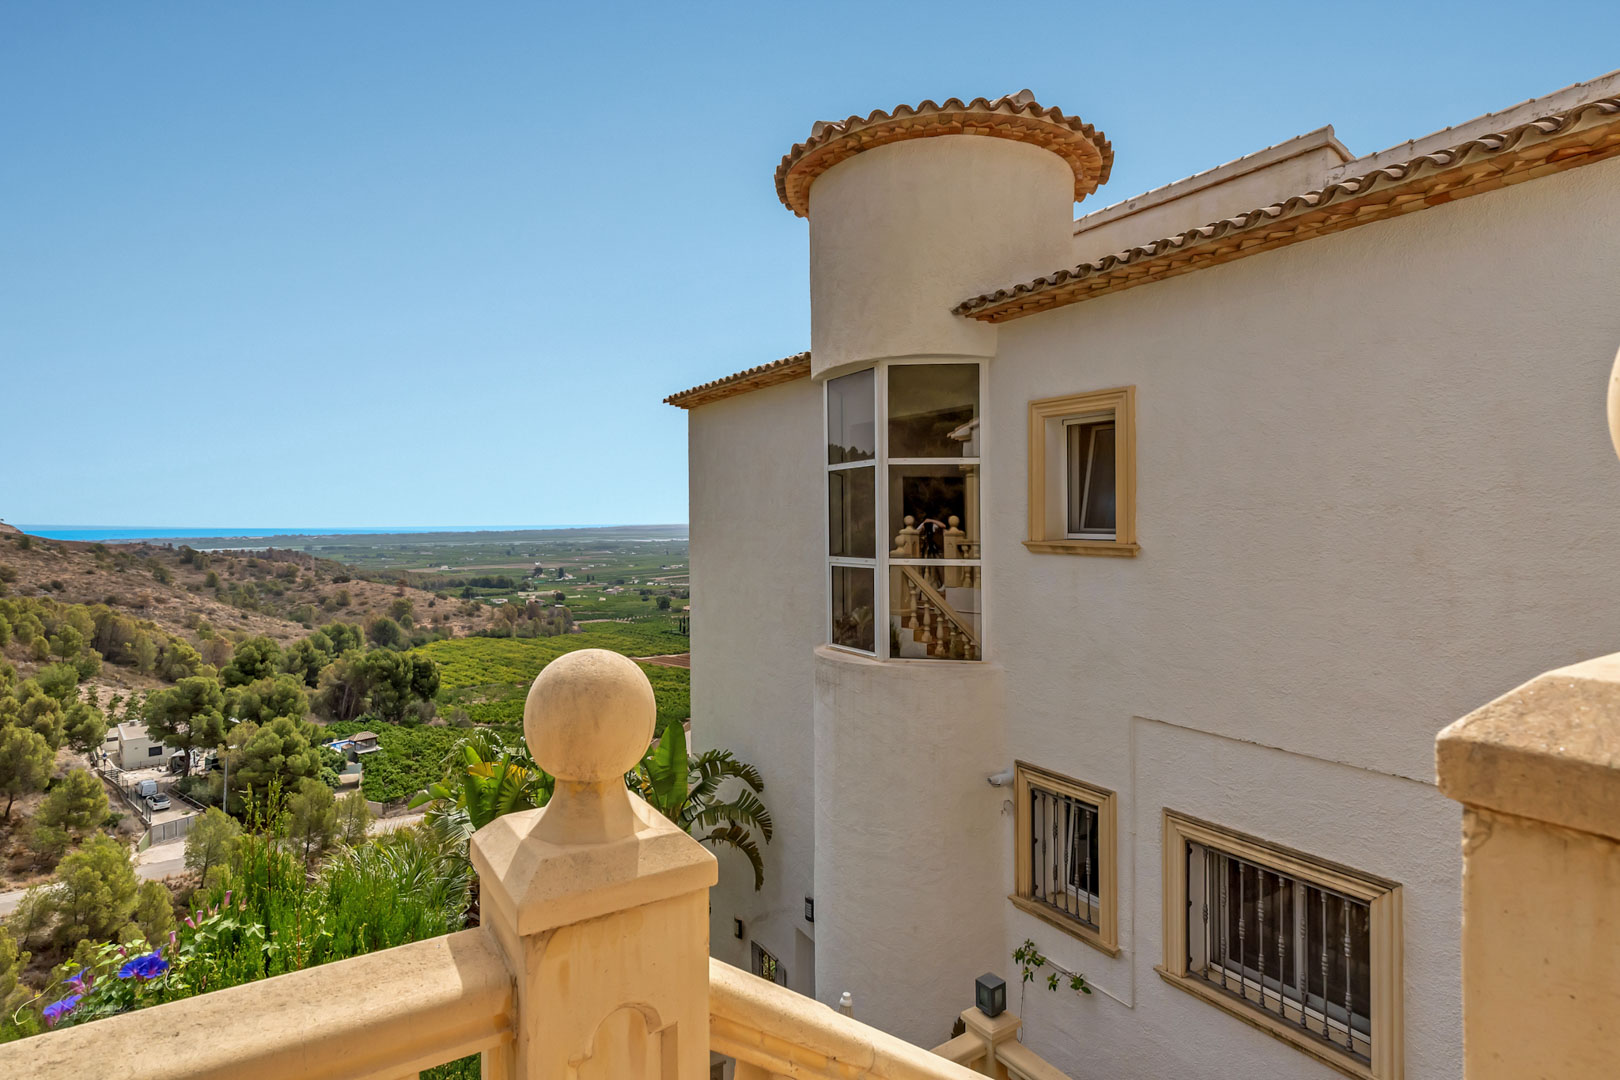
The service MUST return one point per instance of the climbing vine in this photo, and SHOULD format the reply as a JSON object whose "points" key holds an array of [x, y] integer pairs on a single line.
{"points": [[1030, 961]]}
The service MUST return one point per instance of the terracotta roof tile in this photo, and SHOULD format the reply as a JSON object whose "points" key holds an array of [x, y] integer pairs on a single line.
{"points": [[784, 370], [1587, 133], [1013, 116]]}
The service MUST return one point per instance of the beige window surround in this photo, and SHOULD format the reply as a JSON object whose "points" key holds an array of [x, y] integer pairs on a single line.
{"points": [[1048, 472], [1102, 932], [1383, 898]]}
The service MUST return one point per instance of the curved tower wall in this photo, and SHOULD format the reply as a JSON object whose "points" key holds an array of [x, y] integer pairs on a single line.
{"points": [[912, 846], [900, 234]]}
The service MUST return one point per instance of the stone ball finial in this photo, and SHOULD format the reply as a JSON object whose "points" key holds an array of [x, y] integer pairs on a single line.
{"points": [[589, 716]]}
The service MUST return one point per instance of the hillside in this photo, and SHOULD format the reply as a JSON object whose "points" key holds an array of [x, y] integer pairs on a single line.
{"points": [[194, 595]]}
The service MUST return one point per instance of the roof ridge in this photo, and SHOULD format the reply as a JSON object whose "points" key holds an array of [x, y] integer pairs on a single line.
{"points": [[1489, 144]]}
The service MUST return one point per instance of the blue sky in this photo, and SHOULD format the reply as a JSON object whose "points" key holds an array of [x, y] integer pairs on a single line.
{"points": [[437, 264]]}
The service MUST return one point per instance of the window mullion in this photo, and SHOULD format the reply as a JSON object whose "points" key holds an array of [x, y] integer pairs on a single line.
{"points": [[880, 583]]}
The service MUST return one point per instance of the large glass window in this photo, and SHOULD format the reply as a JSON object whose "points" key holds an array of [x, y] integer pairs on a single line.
{"points": [[927, 450], [851, 432]]}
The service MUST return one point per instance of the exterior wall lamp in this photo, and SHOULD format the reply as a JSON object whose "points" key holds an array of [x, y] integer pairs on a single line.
{"points": [[990, 994]]}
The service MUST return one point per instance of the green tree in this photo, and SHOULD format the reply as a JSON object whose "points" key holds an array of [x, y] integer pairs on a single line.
{"points": [[307, 656], [343, 636], [190, 715], [341, 694], [13, 960], [39, 712], [211, 842], [79, 802], [154, 912], [60, 681], [84, 727], [144, 652], [95, 893], [353, 819], [25, 763], [67, 642], [212, 580], [312, 817], [663, 603], [266, 699], [255, 658], [384, 632], [278, 751], [179, 661], [402, 610]]}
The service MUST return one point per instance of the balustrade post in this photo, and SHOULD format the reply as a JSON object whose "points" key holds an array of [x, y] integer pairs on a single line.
{"points": [[992, 1031], [1538, 774], [955, 541], [598, 902]]}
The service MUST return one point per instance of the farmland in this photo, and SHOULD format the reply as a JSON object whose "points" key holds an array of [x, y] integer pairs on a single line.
{"points": [[488, 679]]}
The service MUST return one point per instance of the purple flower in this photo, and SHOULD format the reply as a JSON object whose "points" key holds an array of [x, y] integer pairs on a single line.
{"points": [[149, 966], [55, 1012]]}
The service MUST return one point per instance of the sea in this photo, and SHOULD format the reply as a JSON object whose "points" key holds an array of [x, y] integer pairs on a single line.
{"points": [[114, 533]]}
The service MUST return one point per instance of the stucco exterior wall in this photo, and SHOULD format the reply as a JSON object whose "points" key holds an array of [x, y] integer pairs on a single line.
{"points": [[901, 233], [759, 594], [1370, 477], [908, 836]]}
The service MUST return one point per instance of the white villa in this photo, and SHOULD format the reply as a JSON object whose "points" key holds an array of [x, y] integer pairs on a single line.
{"points": [[1123, 624], [1124, 568]]}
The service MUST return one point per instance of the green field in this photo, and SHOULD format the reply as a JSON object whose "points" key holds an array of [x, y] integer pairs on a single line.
{"points": [[476, 662], [489, 678]]}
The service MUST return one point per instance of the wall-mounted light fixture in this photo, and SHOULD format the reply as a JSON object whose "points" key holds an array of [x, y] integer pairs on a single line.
{"points": [[990, 994], [809, 909], [737, 928]]}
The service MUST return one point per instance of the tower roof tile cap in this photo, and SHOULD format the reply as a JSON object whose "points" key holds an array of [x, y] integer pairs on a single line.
{"points": [[1018, 117]]}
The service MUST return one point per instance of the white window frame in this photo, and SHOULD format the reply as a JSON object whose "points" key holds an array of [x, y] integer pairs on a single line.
{"points": [[880, 463], [1068, 506]]}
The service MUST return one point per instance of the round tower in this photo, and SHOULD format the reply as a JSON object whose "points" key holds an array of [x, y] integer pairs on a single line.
{"points": [[911, 212]]}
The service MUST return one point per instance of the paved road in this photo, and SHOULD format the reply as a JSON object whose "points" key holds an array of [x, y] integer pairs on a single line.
{"points": [[390, 824], [153, 864]]}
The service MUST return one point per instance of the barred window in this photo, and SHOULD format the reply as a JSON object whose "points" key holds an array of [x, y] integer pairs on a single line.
{"points": [[766, 966], [1311, 946], [1065, 866]]}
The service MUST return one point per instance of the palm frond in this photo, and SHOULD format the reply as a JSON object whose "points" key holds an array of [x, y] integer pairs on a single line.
{"points": [[717, 766], [739, 838], [746, 810]]}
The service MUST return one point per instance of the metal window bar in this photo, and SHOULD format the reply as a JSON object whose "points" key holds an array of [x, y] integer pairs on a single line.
{"points": [[1316, 975], [1063, 856]]}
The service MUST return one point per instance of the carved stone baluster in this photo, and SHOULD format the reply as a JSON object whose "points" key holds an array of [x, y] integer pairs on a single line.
{"points": [[955, 541]]}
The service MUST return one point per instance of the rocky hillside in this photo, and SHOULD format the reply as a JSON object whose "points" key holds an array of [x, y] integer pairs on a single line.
{"points": [[193, 594]]}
